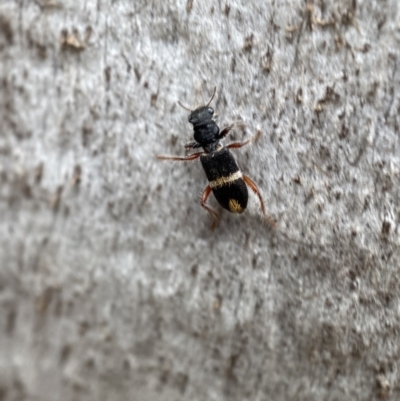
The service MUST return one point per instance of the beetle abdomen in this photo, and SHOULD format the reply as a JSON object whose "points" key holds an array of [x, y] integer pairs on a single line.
{"points": [[232, 196], [225, 180]]}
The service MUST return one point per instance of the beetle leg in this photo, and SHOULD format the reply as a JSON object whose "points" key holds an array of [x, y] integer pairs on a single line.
{"points": [[193, 156], [254, 188], [192, 145], [225, 131], [236, 145], [203, 201]]}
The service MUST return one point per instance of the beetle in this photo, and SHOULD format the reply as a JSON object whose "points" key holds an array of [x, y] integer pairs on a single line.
{"points": [[226, 180]]}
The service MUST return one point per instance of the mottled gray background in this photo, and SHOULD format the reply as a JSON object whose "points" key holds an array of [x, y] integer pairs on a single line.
{"points": [[113, 287]]}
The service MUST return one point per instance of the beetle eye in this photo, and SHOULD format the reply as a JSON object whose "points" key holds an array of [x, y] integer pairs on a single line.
{"points": [[210, 110]]}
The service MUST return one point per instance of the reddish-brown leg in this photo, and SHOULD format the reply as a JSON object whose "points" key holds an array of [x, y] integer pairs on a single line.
{"points": [[203, 201], [193, 156], [225, 131], [255, 189], [236, 145]]}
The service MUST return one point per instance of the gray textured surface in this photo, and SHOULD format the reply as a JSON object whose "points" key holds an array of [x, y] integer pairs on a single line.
{"points": [[112, 286]]}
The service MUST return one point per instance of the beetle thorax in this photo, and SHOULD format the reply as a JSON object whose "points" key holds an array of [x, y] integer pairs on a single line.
{"points": [[206, 131]]}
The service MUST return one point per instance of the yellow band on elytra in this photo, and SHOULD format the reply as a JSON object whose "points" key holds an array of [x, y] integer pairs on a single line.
{"points": [[221, 181]]}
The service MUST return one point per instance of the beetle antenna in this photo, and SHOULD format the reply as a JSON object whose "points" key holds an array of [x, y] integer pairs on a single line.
{"points": [[186, 108], [212, 97]]}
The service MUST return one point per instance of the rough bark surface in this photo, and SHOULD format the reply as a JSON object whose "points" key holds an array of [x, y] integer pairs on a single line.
{"points": [[113, 287]]}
